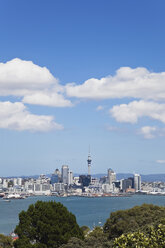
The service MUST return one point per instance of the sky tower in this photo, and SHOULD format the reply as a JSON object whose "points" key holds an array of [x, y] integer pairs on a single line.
{"points": [[89, 160]]}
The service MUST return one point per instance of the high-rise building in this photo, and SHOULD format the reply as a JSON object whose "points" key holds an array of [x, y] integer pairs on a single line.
{"points": [[56, 177], [64, 173], [70, 177], [137, 182], [19, 181], [111, 176], [126, 184], [84, 180]]}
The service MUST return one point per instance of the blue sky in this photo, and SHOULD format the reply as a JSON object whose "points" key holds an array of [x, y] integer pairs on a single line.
{"points": [[74, 73]]}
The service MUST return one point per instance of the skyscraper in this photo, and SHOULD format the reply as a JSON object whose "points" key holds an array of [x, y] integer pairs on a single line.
{"points": [[137, 182], [65, 172], [111, 176], [70, 177]]}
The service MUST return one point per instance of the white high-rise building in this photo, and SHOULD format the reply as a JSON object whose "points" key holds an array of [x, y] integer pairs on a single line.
{"points": [[5, 183], [14, 181], [137, 182], [19, 181], [111, 176]]}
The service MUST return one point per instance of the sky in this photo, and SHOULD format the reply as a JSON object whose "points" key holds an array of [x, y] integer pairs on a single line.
{"points": [[82, 73]]}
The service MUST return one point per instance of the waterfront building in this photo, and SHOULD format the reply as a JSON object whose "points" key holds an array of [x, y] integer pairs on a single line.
{"points": [[19, 181], [76, 181], [137, 182], [42, 189], [5, 183], [126, 184], [14, 181], [106, 188], [59, 187]]}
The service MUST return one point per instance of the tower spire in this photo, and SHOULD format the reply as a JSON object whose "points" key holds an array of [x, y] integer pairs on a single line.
{"points": [[89, 160]]}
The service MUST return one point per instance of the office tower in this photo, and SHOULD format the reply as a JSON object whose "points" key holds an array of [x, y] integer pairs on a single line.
{"points": [[65, 172], [84, 180], [70, 177], [137, 182], [89, 161], [126, 184], [19, 181], [111, 176], [56, 177]]}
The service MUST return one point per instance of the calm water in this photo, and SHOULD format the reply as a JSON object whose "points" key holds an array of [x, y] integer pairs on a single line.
{"points": [[88, 211]]}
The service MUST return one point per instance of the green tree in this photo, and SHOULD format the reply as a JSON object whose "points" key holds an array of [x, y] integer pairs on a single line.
{"points": [[155, 238], [94, 239], [136, 218], [5, 241], [85, 230], [46, 225]]}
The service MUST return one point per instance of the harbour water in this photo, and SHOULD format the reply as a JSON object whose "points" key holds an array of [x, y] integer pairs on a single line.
{"points": [[88, 211]]}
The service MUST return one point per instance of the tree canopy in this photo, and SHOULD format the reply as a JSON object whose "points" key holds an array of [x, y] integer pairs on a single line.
{"points": [[131, 220], [154, 238], [5, 241], [46, 225]]}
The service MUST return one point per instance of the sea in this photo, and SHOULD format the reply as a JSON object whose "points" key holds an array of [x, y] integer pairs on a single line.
{"points": [[88, 211]]}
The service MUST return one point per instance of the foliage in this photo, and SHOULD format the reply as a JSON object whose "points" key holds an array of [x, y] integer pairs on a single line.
{"points": [[95, 239], [97, 232], [46, 225], [5, 241], [136, 218], [85, 229], [90, 242], [155, 238]]}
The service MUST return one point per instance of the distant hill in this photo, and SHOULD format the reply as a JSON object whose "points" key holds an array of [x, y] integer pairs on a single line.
{"points": [[145, 178]]}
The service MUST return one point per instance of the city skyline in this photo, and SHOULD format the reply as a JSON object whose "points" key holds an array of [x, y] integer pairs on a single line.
{"points": [[79, 73]]}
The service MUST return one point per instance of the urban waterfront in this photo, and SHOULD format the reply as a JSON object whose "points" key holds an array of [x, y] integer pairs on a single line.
{"points": [[88, 211]]}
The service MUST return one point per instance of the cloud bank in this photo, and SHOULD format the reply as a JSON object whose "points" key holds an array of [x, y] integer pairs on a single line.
{"points": [[32, 83], [126, 83], [15, 116], [147, 88], [131, 112]]}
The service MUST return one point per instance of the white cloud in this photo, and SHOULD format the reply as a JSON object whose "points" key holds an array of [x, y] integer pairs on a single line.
{"points": [[131, 112], [127, 82], [51, 99], [15, 116], [99, 108], [34, 83], [19, 74], [160, 161], [148, 132]]}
